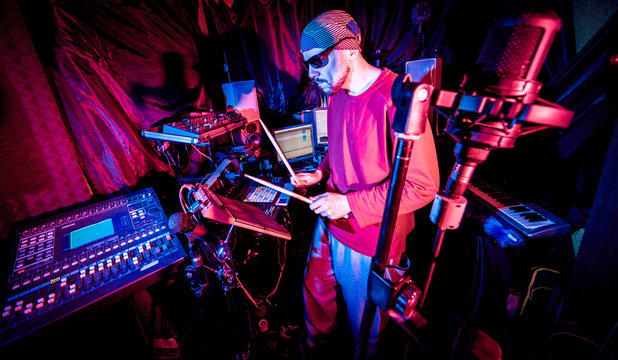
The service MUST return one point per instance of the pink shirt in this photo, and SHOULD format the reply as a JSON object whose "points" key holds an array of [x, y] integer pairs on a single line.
{"points": [[361, 150]]}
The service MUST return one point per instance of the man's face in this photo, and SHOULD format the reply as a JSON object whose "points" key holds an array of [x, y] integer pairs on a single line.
{"points": [[331, 77]]}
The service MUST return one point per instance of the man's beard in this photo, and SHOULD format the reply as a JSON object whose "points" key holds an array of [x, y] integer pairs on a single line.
{"points": [[337, 84]]}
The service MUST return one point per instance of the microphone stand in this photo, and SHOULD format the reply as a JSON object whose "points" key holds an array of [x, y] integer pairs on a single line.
{"points": [[492, 116], [497, 125], [408, 124]]}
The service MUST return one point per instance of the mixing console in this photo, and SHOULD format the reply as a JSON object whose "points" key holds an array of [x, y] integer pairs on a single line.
{"points": [[67, 262], [197, 128]]}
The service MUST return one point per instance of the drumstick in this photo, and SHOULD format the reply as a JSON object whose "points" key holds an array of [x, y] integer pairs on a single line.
{"points": [[278, 149], [280, 189]]}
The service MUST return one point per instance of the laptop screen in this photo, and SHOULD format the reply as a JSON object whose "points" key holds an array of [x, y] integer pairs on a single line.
{"points": [[296, 142], [320, 119]]}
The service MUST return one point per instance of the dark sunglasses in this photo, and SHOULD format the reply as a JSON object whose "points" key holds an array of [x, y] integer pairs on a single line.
{"points": [[320, 60]]}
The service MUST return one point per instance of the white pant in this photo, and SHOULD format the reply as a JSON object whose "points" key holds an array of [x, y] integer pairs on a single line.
{"points": [[332, 266]]}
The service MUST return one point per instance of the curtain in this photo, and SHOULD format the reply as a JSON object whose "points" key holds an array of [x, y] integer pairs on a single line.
{"points": [[121, 66], [124, 65]]}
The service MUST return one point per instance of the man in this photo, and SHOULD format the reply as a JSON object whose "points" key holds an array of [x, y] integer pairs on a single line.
{"points": [[356, 168]]}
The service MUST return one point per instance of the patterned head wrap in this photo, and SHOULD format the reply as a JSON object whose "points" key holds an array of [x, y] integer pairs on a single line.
{"points": [[330, 27]]}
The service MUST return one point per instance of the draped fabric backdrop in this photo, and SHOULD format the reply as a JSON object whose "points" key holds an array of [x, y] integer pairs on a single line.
{"points": [[120, 66], [123, 65]]}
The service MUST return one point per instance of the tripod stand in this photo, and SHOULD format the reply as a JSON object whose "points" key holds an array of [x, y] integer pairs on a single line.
{"points": [[480, 119]]}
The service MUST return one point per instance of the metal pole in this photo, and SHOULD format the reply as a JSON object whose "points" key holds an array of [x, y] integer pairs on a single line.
{"points": [[412, 101], [391, 209]]}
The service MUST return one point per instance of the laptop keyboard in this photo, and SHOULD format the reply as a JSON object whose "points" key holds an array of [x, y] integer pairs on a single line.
{"points": [[304, 165]]}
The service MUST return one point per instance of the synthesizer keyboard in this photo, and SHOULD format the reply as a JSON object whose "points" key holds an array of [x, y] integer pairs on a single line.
{"points": [[531, 220], [67, 262]]}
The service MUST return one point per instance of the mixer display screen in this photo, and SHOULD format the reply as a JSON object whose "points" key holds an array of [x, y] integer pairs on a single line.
{"points": [[92, 233]]}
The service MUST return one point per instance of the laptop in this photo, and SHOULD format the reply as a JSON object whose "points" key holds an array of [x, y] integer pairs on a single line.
{"points": [[296, 143]]}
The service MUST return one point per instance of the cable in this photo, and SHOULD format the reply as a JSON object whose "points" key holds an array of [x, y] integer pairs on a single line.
{"points": [[182, 200], [201, 153], [247, 293], [281, 266]]}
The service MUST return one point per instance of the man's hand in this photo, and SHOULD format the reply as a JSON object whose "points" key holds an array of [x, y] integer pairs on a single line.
{"points": [[330, 205], [307, 179]]}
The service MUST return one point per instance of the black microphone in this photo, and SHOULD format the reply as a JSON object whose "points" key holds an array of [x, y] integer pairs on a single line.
{"points": [[181, 222], [514, 52], [507, 67], [498, 98]]}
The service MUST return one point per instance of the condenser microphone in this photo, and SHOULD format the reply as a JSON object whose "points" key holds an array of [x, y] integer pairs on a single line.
{"points": [[499, 99], [181, 222], [514, 52]]}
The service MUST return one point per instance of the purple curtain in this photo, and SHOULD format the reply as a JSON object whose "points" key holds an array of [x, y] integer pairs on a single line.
{"points": [[124, 65], [111, 78]]}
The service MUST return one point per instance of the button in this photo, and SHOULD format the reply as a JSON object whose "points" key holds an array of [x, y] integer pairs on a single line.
{"points": [[16, 285], [28, 308], [19, 305]]}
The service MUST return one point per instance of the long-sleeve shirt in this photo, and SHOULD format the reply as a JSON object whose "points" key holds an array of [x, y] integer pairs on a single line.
{"points": [[358, 164]]}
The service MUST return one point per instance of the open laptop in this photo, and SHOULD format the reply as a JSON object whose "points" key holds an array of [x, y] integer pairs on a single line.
{"points": [[296, 143]]}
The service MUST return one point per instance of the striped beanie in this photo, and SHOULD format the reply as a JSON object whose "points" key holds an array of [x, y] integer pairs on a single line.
{"points": [[330, 27]]}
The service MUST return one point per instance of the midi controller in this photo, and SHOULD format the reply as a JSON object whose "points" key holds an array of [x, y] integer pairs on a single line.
{"points": [[67, 262], [198, 128]]}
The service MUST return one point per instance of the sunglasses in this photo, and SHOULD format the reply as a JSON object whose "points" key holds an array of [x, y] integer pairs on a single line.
{"points": [[320, 60]]}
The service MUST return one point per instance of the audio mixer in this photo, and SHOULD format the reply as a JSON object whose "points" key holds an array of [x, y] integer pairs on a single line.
{"points": [[67, 262], [198, 128]]}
